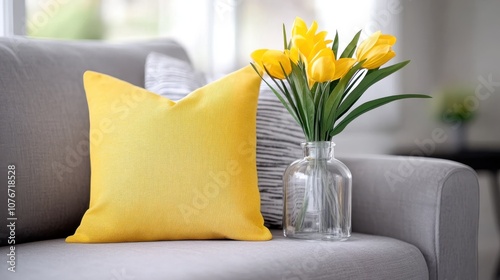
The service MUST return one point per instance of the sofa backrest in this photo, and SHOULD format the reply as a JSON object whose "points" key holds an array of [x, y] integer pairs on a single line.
{"points": [[44, 126]]}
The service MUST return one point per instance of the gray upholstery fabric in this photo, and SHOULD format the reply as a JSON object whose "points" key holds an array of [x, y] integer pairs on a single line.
{"points": [[362, 257], [430, 203], [44, 125]]}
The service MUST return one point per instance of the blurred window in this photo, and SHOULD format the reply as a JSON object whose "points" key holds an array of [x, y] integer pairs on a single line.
{"points": [[219, 35], [12, 14]]}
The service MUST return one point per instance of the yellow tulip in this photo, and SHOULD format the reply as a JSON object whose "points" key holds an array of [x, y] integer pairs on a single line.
{"points": [[299, 26], [342, 66], [293, 54], [307, 41], [377, 50], [322, 67], [274, 62]]}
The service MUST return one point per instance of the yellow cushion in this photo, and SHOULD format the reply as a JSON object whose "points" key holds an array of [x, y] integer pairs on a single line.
{"points": [[165, 170]]}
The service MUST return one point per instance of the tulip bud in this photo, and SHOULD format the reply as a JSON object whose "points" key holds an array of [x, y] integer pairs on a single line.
{"points": [[322, 67], [376, 50], [277, 63]]}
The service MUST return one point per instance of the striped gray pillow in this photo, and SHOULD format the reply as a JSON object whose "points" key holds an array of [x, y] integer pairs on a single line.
{"points": [[171, 77], [278, 135], [278, 145]]}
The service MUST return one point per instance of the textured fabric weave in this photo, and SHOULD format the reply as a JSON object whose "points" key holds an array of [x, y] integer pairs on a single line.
{"points": [[363, 257], [431, 203], [278, 135], [164, 170]]}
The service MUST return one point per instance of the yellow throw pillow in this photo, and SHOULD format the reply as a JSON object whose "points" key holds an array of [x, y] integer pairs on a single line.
{"points": [[165, 170]]}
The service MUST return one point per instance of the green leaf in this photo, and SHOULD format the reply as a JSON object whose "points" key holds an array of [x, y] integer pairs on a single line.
{"points": [[314, 90], [370, 105], [317, 122], [335, 45], [285, 44], [290, 101], [317, 89], [371, 78], [294, 98], [289, 107], [330, 110], [332, 85], [305, 103], [351, 48], [354, 81]]}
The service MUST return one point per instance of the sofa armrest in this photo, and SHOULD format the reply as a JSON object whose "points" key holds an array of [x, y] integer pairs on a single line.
{"points": [[430, 203]]}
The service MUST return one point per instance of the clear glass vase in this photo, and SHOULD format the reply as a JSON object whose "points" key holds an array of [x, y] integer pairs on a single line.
{"points": [[317, 195]]}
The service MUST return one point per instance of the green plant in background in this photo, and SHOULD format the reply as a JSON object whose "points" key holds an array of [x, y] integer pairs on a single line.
{"points": [[77, 19], [455, 104], [318, 85]]}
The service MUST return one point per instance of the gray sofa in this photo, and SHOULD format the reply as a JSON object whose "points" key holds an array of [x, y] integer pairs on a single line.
{"points": [[413, 218]]}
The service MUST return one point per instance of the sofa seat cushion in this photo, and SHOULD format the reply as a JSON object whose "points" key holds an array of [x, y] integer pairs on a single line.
{"points": [[361, 257]]}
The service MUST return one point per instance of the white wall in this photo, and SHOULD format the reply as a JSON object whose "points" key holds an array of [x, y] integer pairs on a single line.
{"points": [[485, 130], [451, 42]]}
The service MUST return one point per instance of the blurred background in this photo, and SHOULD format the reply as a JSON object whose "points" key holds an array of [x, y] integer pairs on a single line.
{"points": [[453, 46]]}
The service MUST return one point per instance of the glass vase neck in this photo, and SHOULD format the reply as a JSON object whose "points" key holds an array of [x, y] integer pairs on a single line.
{"points": [[318, 149]]}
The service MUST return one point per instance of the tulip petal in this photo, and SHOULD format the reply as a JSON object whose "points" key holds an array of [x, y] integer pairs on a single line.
{"points": [[378, 59], [293, 54], [320, 36], [299, 27], [303, 45], [322, 66], [317, 49], [376, 50], [312, 30], [387, 39], [366, 45], [342, 66], [257, 56], [275, 61]]}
